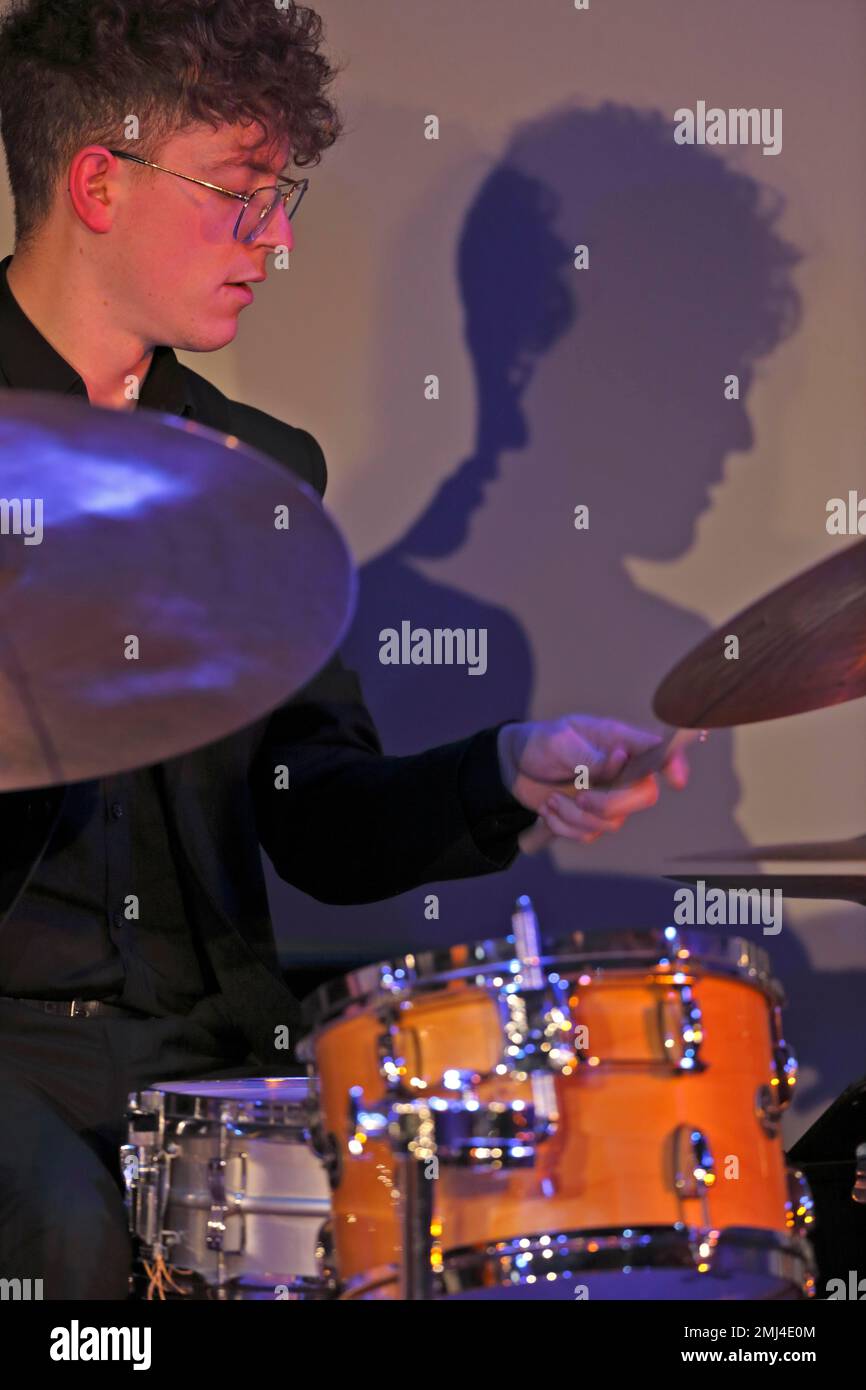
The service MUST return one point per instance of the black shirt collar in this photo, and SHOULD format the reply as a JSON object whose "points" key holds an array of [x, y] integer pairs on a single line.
{"points": [[29, 362]]}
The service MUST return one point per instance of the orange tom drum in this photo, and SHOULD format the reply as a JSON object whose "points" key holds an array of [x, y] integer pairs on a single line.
{"points": [[602, 1122]]}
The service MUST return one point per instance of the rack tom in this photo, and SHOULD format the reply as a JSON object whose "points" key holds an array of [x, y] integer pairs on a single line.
{"points": [[603, 1121]]}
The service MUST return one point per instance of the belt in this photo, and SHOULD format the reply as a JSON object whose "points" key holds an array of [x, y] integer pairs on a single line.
{"points": [[78, 1008]]}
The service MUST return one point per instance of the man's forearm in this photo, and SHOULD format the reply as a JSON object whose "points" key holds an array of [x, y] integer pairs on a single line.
{"points": [[354, 826]]}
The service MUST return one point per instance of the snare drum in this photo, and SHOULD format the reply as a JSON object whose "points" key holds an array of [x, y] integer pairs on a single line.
{"points": [[605, 1124], [224, 1190]]}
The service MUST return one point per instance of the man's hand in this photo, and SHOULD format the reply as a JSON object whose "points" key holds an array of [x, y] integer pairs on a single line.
{"points": [[538, 762]]}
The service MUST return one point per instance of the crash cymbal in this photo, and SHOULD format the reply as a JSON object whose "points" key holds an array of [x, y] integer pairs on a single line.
{"points": [[801, 647], [149, 603], [847, 887], [833, 851]]}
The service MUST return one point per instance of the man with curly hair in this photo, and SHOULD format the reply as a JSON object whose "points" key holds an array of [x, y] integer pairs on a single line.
{"points": [[147, 144]]}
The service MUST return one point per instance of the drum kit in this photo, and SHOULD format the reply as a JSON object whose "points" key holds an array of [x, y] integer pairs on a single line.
{"points": [[587, 1115], [599, 1118]]}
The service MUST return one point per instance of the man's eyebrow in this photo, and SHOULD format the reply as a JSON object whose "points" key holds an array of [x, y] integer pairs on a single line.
{"points": [[242, 161]]}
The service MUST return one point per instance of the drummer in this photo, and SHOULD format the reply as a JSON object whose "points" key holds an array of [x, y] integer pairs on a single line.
{"points": [[147, 150]]}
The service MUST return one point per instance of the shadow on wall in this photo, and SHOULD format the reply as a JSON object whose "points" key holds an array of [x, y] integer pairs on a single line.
{"points": [[690, 280]]}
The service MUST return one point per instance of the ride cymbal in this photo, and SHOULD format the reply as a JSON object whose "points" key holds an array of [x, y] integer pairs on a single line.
{"points": [[161, 586], [801, 647]]}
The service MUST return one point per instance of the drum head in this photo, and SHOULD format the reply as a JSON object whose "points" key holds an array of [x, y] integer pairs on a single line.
{"points": [[257, 1101], [269, 1090]]}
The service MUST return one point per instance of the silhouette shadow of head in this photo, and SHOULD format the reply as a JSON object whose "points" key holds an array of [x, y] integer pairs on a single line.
{"points": [[688, 281]]}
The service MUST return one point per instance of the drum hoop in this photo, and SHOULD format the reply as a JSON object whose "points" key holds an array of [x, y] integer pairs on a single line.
{"points": [[775, 1253], [417, 972], [247, 1112], [782, 1254]]}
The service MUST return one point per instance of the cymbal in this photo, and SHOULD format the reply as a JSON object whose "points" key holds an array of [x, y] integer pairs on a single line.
{"points": [[847, 887], [156, 606], [830, 850], [802, 647]]}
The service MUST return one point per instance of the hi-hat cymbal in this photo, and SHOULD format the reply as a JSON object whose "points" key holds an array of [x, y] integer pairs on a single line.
{"points": [[165, 604], [801, 647], [833, 851]]}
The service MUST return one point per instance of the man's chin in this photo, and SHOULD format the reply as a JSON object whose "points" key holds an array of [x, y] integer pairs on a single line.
{"points": [[209, 339]]}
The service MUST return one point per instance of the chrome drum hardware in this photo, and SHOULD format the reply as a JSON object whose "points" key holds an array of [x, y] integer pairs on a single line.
{"points": [[224, 1190]]}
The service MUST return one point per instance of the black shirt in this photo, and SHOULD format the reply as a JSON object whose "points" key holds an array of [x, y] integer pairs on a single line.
{"points": [[103, 914]]}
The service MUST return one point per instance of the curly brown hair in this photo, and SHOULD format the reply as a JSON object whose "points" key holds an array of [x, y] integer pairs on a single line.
{"points": [[73, 71]]}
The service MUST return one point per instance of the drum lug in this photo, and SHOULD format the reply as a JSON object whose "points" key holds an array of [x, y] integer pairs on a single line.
{"points": [[392, 1068], [326, 1147], [693, 1167], [785, 1068], [800, 1206], [219, 1209], [539, 1033], [325, 1256], [767, 1110], [216, 1226], [772, 1100], [365, 1123], [681, 1028]]}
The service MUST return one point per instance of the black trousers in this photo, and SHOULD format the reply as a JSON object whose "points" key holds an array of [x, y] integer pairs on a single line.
{"points": [[64, 1084]]}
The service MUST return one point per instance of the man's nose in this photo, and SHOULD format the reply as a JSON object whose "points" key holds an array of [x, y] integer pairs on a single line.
{"points": [[278, 232]]}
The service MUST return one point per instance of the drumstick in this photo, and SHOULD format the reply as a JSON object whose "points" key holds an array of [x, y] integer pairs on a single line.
{"points": [[536, 836]]}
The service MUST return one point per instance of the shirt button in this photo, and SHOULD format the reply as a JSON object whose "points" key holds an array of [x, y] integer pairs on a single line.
{"points": [[116, 810]]}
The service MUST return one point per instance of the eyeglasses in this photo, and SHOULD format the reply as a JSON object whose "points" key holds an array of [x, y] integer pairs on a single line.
{"points": [[258, 206]]}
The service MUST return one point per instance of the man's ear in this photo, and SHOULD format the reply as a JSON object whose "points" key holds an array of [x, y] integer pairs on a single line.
{"points": [[93, 186]]}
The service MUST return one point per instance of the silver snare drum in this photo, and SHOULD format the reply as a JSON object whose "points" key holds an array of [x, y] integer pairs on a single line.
{"points": [[224, 1190]]}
